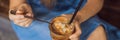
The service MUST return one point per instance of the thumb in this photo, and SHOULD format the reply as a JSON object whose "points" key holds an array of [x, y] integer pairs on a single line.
{"points": [[77, 31], [20, 10]]}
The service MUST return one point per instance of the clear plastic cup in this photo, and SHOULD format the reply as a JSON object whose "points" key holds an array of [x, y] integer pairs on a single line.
{"points": [[60, 29]]}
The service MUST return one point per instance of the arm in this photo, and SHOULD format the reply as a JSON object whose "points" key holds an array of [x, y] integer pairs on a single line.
{"points": [[14, 3], [91, 8]]}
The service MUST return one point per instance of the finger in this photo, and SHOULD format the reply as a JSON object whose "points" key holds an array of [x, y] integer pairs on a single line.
{"points": [[14, 17], [11, 17], [17, 17], [20, 11], [74, 39], [27, 10], [77, 32], [77, 28], [24, 23], [53, 39], [28, 22], [20, 21], [29, 14], [12, 11]]}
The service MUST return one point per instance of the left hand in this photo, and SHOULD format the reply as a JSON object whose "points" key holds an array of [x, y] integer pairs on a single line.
{"points": [[76, 35], [22, 10]]}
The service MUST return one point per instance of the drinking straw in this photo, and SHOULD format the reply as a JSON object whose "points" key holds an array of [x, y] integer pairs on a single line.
{"points": [[76, 10]]}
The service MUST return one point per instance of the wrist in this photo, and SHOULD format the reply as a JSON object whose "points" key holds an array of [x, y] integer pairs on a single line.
{"points": [[15, 3]]}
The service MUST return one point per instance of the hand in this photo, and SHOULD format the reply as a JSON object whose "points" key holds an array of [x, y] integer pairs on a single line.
{"points": [[76, 35], [21, 11]]}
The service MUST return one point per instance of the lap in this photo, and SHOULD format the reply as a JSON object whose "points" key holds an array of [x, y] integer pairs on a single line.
{"points": [[98, 34]]}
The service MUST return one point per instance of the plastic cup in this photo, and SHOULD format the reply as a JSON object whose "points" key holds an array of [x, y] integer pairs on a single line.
{"points": [[60, 29]]}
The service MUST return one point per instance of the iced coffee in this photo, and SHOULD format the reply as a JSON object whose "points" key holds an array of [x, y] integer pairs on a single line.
{"points": [[60, 28]]}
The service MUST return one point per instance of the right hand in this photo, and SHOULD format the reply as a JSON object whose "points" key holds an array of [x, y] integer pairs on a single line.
{"points": [[21, 11]]}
